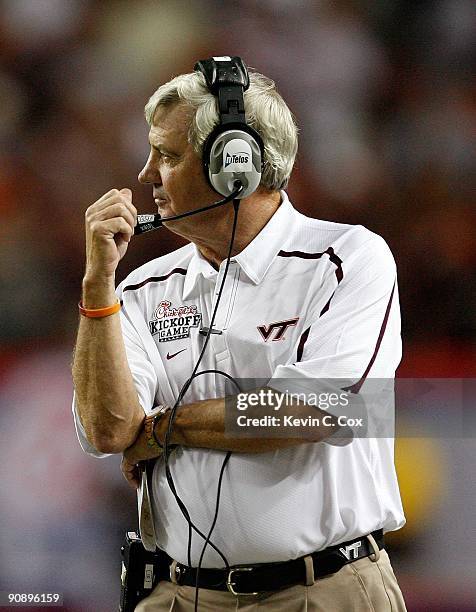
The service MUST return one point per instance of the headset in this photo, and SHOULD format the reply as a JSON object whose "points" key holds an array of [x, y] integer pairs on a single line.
{"points": [[233, 153]]}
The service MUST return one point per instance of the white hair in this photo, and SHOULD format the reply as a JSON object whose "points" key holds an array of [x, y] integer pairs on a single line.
{"points": [[265, 111]]}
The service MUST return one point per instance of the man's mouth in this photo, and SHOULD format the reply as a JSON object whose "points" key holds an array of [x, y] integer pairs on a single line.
{"points": [[159, 199], [158, 194]]}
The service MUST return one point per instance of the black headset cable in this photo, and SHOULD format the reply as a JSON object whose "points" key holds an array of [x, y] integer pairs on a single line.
{"points": [[167, 450]]}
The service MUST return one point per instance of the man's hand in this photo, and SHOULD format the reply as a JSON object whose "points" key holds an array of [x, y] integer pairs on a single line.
{"points": [[131, 472], [110, 225], [140, 450]]}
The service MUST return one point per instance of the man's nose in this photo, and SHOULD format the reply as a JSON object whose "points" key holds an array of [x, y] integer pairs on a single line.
{"points": [[149, 173]]}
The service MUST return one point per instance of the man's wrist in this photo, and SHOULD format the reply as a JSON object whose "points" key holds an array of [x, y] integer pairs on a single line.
{"points": [[155, 434], [98, 292]]}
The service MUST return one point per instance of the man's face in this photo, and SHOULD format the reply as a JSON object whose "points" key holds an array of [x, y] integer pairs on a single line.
{"points": [[176, 172]]}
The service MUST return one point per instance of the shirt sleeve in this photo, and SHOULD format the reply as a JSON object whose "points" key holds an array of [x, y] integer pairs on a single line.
{"points": [[357, 335]]}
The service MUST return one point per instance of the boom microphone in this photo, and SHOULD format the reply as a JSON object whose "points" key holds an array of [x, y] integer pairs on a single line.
{"points": [[147, 223]]}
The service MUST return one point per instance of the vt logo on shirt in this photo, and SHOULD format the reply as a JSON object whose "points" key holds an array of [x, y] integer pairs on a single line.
{"points": [[171, 323], [279, 326]]}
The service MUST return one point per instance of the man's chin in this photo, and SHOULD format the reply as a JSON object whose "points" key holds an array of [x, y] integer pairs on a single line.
{"points": [[165, 212]]}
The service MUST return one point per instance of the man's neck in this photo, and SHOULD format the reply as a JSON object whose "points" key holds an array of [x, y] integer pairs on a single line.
{"points": [[254, 213]]}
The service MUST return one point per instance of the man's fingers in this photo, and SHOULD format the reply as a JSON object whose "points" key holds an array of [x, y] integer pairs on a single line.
{"points": [[112, 211], [111, 227], [112, 192], [131, 473], [127, 192], [111, 198]]}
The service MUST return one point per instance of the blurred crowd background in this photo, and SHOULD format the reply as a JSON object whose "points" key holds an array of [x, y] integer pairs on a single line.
{"points": [[384, 98]]}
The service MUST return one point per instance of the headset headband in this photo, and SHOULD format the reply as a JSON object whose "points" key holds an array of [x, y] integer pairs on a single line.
{"points": [[227, 78]]}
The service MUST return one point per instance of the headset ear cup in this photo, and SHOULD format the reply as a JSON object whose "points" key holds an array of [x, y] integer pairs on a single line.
{"points": [[231, 153]]}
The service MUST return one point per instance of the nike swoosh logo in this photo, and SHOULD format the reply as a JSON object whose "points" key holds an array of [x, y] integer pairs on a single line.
{"points": [[175, 354]]}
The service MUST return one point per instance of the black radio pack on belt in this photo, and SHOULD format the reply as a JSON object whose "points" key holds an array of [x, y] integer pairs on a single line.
{"points": [[141, 571]]}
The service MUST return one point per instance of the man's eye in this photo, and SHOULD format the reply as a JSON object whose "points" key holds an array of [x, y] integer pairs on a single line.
{"points": [[165, 157]]}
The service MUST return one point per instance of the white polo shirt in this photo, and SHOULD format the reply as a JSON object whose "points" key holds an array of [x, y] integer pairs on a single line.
{"points": [[335, 287]]}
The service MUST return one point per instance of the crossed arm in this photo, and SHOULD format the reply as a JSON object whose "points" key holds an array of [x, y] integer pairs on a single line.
{"points": [[109, 408], [202, 425], [113, 418]]}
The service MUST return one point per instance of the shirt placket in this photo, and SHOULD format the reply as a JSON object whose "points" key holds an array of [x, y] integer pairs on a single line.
{"points": [[218, 354]]}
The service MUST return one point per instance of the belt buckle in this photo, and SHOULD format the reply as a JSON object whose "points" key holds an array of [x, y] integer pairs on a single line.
{"points": [[230, 584], [175, 572]]}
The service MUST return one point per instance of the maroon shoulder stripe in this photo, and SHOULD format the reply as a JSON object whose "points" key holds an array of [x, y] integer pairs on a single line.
{"points": [[155, 279], [300, 254], [302, 342], [355, 388], [336, 260], [326, 307]]}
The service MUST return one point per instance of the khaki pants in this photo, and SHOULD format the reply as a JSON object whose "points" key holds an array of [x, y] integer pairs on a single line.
{"points": [[361, 586]]}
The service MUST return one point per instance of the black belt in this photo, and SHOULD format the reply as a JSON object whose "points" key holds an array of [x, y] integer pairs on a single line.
{"points": [[254, 579]]}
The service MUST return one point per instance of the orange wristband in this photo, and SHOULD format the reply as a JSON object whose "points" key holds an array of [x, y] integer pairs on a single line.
{"points": [[96, 313]]}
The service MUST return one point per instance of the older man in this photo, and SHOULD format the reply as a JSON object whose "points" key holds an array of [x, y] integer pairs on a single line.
{"points": [[301, 299]]}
